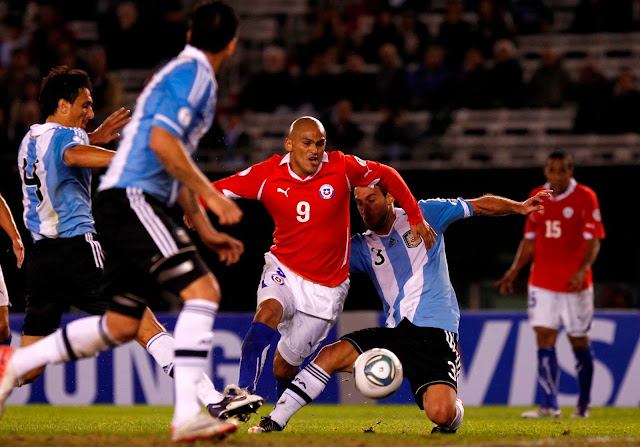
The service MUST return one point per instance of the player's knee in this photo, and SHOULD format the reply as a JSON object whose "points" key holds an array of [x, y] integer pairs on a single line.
{"points": [[440, 413], [283, 371], [269, 312], [336, 357]]}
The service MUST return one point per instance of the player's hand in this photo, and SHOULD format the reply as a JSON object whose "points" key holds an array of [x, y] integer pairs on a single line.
{"points": [[188, 222], [505, 284], [534, 203], [18, 250], [229, 249], [106, 132], [576, 282], [423, 230], [226, 209]]}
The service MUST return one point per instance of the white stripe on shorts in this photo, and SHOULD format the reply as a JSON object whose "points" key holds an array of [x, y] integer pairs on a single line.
{"points": [[152, 223], [98, 256]]}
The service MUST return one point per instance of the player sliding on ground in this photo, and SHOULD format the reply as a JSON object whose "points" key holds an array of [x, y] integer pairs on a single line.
{"points": [[421, 308]]}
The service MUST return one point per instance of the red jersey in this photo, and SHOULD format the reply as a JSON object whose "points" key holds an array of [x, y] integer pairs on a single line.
{"points": [[311, 215], [561, 232]]}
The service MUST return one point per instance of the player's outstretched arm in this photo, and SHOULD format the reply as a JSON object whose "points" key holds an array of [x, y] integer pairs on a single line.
{"points": [[173, 156], [491, 205], [84, 156], [424, 230], [106, 132], [9, 226], [228, 248], [524, 255]]}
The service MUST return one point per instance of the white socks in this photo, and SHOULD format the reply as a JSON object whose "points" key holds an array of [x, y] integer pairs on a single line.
{"points": [[81, 338], [304, 388], [193, 341]]}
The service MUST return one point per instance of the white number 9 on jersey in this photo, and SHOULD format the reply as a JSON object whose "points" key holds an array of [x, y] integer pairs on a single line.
{"points": [[303, 211]]}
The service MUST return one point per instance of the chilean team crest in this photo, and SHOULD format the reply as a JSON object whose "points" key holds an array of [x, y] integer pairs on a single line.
{"points": [[567, 212], [326, 191], [360, 161], [410, 241]]}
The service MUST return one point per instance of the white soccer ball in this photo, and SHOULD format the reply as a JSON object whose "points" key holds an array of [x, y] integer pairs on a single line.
{"points": [[377, 373]]}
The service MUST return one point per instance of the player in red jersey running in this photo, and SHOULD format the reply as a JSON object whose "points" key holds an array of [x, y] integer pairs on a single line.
{"points": [[563, 241], [306, 275]]}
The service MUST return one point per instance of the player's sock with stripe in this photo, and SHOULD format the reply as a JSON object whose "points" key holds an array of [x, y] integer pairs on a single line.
{"points": [[281, 386], [7, 341], [81, 338], [584, 368], [457, 421], [193, 341], [254, 353], [162, 347], [548, 376], [303, 389]]}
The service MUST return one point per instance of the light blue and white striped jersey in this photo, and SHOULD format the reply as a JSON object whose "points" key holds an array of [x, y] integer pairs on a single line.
{"points": [[181, 99], [55, 196], [412, 282]]}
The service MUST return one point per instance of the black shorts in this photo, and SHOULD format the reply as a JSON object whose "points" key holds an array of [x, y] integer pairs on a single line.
{"points": [[429, 356], [143, 246], [62, 272]]}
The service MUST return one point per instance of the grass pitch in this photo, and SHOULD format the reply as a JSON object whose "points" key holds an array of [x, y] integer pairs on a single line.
{"points": [[320, 425]]}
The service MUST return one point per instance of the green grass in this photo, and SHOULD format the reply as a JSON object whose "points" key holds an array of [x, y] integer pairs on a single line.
{"points": [[320, 425]]}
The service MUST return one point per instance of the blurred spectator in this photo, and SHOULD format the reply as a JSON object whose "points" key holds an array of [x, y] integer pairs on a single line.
{"points": [[51, 30], [356, 83], [317, 85], [614, 297], [273, 87], [107, 93], [67, 54], [472, 86], [505, 77], [590, 92], [237, 142], [15, 77], [430, 86], [391, 79], [342, 132], [329, 35], [395, 135], [126, 39], [623, 108], [596, 16], [384, 32], [532, 16], [24, 110], [13, 37], [171, 35], [493, 24], [549, 81], [456, 34], [415, 37]]}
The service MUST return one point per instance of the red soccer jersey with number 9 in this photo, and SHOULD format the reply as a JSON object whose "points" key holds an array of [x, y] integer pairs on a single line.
{"points": [[561, 232], [311, 215]]}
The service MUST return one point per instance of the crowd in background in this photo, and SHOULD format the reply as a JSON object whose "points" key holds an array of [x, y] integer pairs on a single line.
{"points": [[396, 65]]}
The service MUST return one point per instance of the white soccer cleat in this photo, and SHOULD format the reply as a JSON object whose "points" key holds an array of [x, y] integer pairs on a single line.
{"points": [[8, 376], [581, 411], [202, 426], [542, 412]]}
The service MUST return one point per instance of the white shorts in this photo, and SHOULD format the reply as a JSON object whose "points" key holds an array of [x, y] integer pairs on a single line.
{"points": [[573, 310], [4, 295], [309, 309]]}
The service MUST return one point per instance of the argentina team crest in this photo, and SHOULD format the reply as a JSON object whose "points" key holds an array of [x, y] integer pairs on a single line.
{"points": [[326, 191], [410, 241]]}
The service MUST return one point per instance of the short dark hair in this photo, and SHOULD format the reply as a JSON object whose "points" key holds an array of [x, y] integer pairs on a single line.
{"points": [[62, 82], [560, 155], [213, 25]]}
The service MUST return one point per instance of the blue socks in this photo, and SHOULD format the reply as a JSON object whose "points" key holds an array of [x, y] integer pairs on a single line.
{"points": [[254, 353], [584, 368], [548, 376], [7, 341]]}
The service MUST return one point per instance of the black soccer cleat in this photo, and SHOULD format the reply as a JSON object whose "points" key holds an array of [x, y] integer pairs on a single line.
{"points": [[443, 430], [266, 425]]}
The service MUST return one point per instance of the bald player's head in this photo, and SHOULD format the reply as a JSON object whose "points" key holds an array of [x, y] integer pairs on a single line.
{"points": [[305, 123]]}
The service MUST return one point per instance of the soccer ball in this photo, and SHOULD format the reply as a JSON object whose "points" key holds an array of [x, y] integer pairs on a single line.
{"points": [[377, 373]]}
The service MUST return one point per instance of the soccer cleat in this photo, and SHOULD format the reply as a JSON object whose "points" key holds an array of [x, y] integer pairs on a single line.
{"points": [[202, 426], [237, 402], [266, 425], [542, 412], [444, 430], [581, 411], [8, 376]]}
